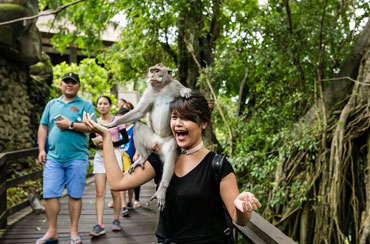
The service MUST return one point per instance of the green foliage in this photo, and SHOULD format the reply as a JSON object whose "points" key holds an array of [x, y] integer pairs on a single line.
{"points": [[258, 41], [43, 4], [16, 195], [90, 19]]}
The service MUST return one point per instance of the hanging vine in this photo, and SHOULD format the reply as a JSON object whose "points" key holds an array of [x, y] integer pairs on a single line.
{"points": [[334, 180]]}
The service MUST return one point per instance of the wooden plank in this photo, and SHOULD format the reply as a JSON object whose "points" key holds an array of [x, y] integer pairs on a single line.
{"points": [[21, 179], [3, 219], [3, 197], [138, 228], [2, 189], [21, 153], [263, 230], [2, 159], [249, 235], [18, 207]]}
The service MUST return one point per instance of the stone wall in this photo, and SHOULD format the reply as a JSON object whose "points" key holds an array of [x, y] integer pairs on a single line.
{"points": [[25, 76], [15, 107], [22, 99]]}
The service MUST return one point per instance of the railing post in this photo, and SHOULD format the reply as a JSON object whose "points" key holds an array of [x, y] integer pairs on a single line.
{"points": [[260, 231], [3, 201]]}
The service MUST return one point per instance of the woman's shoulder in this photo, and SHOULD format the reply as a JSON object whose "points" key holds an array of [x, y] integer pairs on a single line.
{"points": [[156, 163], [224, 165]]}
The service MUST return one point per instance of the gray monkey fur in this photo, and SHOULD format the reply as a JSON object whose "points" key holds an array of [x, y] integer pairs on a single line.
{"points": [[155, 104]]}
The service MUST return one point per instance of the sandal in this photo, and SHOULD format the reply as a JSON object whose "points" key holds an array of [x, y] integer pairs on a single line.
{"points": [[137, 204], [75, 240], [47, 241]]}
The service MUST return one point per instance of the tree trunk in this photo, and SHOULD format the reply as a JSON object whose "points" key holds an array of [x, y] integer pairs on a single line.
{"points": [[243, 92], [365, 218], [190, 24], [338, 90], [191, 28], [295, 53]]}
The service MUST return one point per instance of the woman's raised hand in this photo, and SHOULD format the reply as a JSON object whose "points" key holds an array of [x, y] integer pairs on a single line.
{"points": [[90, 123], [246, 202]]}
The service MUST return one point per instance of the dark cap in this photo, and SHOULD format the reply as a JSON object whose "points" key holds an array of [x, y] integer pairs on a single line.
{"points": [[72, 76]]}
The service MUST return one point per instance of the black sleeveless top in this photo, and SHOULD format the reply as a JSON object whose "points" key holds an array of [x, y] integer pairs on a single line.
{"points": [[193, 212]]}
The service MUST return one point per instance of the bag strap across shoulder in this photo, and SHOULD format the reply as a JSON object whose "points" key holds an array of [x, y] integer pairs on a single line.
{"points": [[217, 163]]}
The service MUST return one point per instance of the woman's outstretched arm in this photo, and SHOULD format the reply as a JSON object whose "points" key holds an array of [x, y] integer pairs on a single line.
{"points": [[117, 180], [240, 206]]}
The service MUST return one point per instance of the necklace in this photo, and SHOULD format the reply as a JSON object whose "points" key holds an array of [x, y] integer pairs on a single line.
{"points": [[192, 150]]}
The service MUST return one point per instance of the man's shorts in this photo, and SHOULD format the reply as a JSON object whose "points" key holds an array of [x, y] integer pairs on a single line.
{"points": [[99, 162], [58, 174]]}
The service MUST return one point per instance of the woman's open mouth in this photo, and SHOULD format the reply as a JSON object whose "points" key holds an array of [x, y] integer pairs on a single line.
{"points": [[181, 135]]}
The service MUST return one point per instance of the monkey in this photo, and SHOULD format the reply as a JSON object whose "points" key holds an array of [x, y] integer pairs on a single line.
{"points": [[155, 103]]}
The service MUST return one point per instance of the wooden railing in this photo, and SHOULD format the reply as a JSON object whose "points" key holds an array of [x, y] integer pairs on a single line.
{"points": [[5, 183], [259, 231]]}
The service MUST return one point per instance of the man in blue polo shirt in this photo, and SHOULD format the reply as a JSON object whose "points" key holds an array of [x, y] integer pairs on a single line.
{"points": [[66, 162]]}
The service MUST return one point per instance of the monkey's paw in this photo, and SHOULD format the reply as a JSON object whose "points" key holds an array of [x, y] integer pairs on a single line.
{"points": [[185, 92], [110, 125], [138, 162], [160, 195]]}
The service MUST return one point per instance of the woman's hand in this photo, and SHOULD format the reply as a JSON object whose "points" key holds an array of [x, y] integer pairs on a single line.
{"points": [[246, 202], [95, 127], [99, 145]]}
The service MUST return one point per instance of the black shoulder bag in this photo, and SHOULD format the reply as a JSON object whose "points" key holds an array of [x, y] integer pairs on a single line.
{"points": [[217, 163]]}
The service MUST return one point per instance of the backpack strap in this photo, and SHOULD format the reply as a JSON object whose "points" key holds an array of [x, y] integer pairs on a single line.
{"points": [[217, 162]]}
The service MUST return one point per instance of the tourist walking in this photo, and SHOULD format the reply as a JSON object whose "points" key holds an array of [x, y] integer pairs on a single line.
{"points": [[133, 156], [194, 211], [66, 162], [119, 136], [121, 102], [128, 150]]}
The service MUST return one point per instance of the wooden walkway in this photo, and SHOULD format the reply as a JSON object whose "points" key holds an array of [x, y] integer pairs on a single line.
{"points": [[139, 227]]}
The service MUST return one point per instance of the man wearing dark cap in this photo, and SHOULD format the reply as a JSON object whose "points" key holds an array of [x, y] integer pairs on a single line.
{"points": [[66, 162]]}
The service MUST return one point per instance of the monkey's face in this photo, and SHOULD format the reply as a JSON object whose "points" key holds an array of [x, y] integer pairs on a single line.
{"points": [[159, 77], [187, 133]]}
